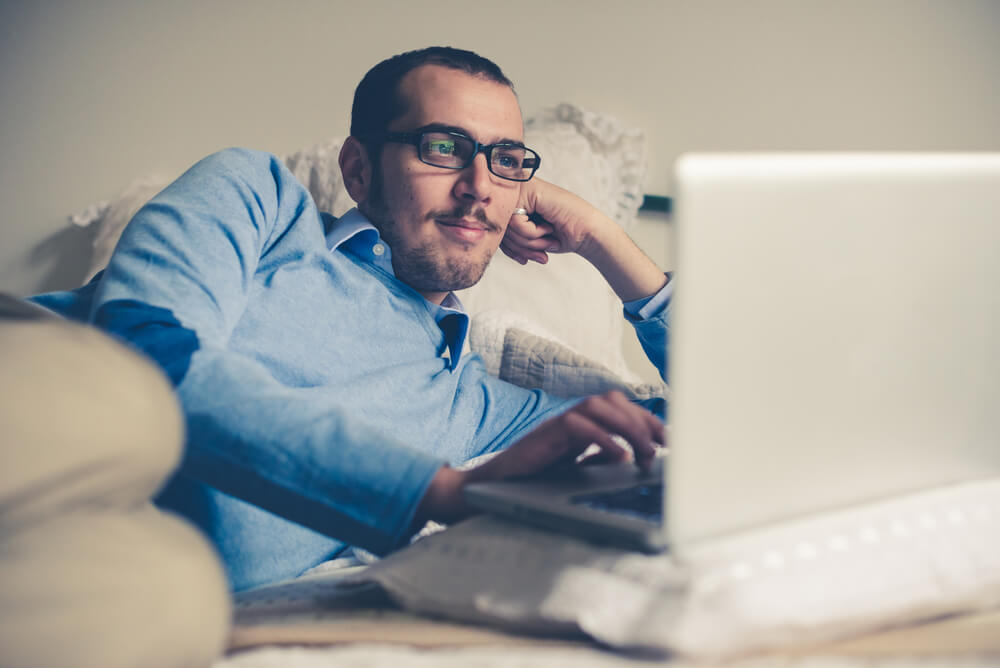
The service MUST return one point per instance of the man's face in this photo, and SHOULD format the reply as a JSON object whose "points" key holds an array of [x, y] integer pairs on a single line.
{"points": [[444, 225]]}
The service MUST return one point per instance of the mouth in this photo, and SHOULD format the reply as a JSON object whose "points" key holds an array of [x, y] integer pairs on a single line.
{"points": [[465, 229]]}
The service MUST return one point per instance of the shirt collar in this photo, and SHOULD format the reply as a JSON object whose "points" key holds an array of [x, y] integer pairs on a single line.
{"points": [[348, 226], [356, 233]]}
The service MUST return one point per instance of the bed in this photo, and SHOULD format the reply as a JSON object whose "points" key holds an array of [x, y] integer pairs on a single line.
{"points": [[558, 328]]}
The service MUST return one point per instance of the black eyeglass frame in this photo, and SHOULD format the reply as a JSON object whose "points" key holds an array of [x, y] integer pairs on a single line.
{"points": [[416, 139]]}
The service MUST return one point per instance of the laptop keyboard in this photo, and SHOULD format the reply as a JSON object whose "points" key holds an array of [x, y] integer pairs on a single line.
{"points": [[642, 501]]}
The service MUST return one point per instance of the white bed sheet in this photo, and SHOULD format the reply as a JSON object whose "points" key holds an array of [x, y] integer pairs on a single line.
{"points": [[387, 656]]}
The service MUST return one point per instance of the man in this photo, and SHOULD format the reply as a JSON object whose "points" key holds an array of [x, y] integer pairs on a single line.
{"points": [[318, 361]]}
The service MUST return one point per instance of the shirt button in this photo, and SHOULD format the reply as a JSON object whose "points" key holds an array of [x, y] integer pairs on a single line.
{"points": [[378, 249]]}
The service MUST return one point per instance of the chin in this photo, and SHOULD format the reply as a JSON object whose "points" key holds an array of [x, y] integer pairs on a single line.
{"points": [[451, 280], [429, 270], [460, 283]]}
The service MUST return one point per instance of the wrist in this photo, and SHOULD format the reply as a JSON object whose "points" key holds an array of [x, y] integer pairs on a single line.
{"points": [[629, 271], [598, 247], [443, 500]]}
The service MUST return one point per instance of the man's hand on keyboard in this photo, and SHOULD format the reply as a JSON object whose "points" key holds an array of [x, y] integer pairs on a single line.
{"points": [[560, 440]]}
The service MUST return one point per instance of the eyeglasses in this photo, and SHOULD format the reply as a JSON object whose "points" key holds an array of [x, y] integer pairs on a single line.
{"points": [[452, 150]]}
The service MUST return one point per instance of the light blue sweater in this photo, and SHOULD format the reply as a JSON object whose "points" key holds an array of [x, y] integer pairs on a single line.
{"points": [[321, 394]]}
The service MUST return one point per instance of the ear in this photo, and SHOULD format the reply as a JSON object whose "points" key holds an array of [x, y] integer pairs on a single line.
{"points": [[356, 169]]}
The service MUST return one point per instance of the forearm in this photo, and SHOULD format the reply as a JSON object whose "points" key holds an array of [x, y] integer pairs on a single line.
{"points": [[628, 270], [294, 453]]}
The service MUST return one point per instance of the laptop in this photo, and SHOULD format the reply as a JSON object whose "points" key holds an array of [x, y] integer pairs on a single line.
{"points": [[835, 340]]}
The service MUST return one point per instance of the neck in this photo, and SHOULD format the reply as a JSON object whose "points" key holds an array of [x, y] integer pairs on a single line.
{"points": [[433, 297]]}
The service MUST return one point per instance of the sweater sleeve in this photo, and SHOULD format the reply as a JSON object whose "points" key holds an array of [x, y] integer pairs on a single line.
{"points": [[176, 287], [651, 319], [654, 337]]}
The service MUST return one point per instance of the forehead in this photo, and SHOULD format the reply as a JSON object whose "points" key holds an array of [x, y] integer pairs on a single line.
{"points": [[434, 94]]}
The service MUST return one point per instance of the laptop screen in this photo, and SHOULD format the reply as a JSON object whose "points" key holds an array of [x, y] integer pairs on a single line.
{"points": [[835, 334]]}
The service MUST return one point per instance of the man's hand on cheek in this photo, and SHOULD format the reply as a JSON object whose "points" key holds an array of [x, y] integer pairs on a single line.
{"points": [[557, 221]]}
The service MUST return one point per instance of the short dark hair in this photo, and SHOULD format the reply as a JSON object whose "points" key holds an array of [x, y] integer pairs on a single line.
{"points": [[377, 101]]}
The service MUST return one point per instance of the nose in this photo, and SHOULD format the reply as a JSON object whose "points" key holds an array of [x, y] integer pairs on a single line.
{"points": [[475, 184]]}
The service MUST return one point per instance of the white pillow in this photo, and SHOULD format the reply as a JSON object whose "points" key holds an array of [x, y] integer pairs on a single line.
{"points": [[588, 153], [110, 218], [593, 155], [538, 363], [319, 171]]}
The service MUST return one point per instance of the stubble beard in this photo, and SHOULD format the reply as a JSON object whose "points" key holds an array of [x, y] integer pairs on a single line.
{"points": [[425, 269], [424, 266]]}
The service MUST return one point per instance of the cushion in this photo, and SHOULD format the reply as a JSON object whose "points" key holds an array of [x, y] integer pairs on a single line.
{"points": [[588, 153], [110, 217], [535, 362]]}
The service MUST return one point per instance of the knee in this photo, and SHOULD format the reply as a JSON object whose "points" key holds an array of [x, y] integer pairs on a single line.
{"points": [[193, 604], [81, 409], [140, 588]]}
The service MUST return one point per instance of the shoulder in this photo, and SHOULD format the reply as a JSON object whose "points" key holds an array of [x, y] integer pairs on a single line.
{"points": [[246, 178], [244, 161]]}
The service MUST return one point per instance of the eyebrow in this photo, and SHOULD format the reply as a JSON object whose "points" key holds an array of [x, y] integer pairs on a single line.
{"points": [[441, 127]]}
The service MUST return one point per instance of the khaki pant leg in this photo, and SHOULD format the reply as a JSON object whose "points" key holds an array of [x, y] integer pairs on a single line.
{"points": [[90, 573], [109, 590]]}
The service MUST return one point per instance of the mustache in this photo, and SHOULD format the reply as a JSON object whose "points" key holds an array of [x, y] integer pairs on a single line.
{"points": [[466, 212]]}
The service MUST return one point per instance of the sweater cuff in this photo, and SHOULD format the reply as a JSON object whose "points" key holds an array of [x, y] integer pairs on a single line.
{"points": [[652, 306]]}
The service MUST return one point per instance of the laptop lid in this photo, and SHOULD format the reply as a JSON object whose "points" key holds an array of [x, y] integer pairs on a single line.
{"points": [[835, 333]]}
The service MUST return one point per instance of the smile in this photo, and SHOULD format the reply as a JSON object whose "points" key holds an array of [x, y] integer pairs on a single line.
{"points": [[461, 229]]}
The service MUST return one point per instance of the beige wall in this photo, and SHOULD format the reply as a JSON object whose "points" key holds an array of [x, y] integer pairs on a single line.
{"points": [[97, 93]]}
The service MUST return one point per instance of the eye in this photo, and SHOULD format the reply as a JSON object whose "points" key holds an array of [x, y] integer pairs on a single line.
{"points": [[508, 159], [441, 146]]}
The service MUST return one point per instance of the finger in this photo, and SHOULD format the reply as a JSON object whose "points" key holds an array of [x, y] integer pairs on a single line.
{"points": [[512, 253], [617, 415], [539, 244], [547, 243], [653, 424], [582, 432], [658, 428], [521, 253], [542, 228], [528, 228], [603, 457], [654, 427], [526, 246]]}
